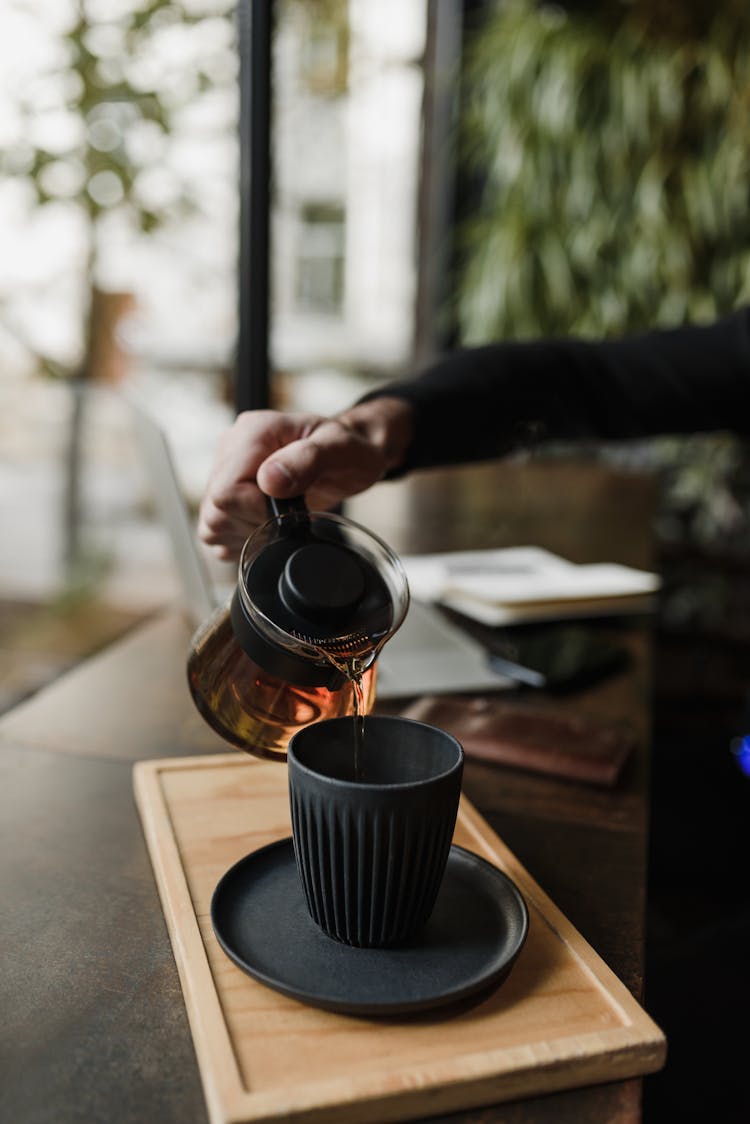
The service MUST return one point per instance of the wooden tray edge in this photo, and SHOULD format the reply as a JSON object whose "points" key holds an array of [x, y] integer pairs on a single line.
{"points": [[631, 1012], [211, 1039], [480, 1083]]}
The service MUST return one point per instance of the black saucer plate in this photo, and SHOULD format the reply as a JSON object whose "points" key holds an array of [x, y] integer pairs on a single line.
{"points": [[476, 931]]}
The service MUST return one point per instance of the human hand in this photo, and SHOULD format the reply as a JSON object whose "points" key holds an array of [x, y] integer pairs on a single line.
{"points": [[270, 453]]}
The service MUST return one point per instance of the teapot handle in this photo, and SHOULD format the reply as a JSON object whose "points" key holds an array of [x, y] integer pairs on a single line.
{"points": [[294, 506]]}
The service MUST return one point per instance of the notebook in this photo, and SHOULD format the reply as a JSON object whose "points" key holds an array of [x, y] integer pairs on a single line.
{"points": [[518, 585], [428, 654]]}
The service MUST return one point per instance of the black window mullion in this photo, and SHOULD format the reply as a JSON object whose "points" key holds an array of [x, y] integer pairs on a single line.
{"points": [[252, 389]]}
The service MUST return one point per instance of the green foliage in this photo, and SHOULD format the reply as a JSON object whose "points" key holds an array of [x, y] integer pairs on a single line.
{"points": [[613, 149]]}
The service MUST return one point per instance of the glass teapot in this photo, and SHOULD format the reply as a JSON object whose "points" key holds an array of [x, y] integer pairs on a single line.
{"points": [[317, 597]]}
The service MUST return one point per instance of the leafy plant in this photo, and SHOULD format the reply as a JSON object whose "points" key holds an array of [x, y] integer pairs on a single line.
{"points": [[614, 157], [611, 150]]}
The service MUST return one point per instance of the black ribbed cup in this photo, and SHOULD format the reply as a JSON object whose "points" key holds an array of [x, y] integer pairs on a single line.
{"points": [[371, 849]]}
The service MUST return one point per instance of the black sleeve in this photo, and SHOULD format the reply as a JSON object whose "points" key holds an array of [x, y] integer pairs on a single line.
{"points": [[480, 403]]}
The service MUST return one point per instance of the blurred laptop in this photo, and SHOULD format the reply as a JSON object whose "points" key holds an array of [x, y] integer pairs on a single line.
{"points": [[428, 655]]}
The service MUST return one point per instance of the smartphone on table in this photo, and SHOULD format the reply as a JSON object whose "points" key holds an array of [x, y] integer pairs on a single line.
{"points": [[558, 656]]}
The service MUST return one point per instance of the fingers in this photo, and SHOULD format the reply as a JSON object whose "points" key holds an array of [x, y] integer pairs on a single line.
{"points": [[266, 453], [292, 471], [327, 464], [233, 504], [227, 532], [253, 437]]}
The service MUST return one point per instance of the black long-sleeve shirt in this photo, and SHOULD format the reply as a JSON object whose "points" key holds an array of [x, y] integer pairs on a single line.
{"points": [[480, 403]]}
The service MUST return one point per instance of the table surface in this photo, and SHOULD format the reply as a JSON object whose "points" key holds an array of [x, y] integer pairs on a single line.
{"points": [[94, 1025]]}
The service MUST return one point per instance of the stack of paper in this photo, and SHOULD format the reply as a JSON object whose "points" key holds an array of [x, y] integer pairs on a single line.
{"points": [[518, 584]]}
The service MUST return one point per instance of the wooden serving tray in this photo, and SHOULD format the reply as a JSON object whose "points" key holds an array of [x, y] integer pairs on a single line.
{"points": [[560, 1020]]}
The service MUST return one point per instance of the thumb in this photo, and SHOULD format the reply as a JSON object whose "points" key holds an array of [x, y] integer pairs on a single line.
{"points": [[297, 467], [277, 478], [331, 462]]}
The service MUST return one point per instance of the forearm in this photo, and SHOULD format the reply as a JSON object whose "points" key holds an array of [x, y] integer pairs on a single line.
{"points": [[481, 403]]}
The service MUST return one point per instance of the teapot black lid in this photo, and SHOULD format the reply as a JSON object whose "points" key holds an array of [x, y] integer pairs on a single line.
{"points": [[309, 586]]}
